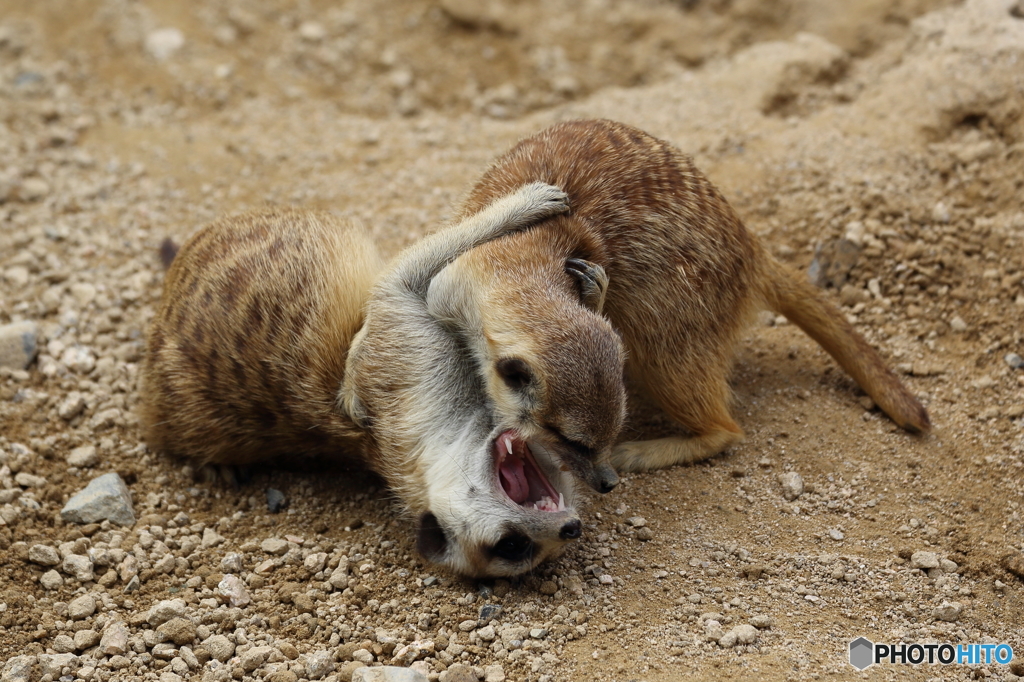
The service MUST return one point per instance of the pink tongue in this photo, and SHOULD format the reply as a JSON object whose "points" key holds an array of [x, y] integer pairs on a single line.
{"points": [[513, 479]]}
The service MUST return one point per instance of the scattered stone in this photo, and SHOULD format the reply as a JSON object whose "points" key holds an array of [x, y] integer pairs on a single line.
{"points": [[44, 555], [27, 480], [79, 567], [489, 612], [348, 669], [82, 457], [486, 633], [494, 673], [219, 647], [1014, 361], [82, 607], [274, 546], [63, 644], [283, 676], [255, 657], [836, 534], [924, 560], [115, 639], [18, 669], [761, 622], [390, 673], [105, 498], [467, 625], [18, 344], [179, 630], [538, 633], [54, 664], [162, 43], [948, 611], [276, 500], [165, 610], [319, 664], [792, 485], [233, 589], [957, 324], [363, 656], [548, 587], [645, 534], [51, 580], [71, 406], [86, 639], [637, 521], [460, 672], [404, 656]]}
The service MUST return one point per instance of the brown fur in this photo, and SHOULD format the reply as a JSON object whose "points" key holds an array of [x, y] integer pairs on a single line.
{"points": [[685, 277], [247, 350]]}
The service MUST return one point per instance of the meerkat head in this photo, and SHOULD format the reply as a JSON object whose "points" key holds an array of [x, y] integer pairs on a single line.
{"points": [[493, 507]]}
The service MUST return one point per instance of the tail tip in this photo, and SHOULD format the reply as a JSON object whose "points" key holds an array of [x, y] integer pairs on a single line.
{"points": [[168, 250]]}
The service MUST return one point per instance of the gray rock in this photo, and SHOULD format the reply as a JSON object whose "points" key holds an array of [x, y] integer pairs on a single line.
{"points": [[106, 497], [746, 634], [948, 611], [489, 612], [79, 567], [115, 639], [18, 344], [792, 485], [275, 546], [18, 669], [27, 480], [388, 673], [319, 664], [63, 644], [51, 580], [84, 456], [1013, 360], [54, 664], [255, 657], [924, 560], [82, 607], [86, 639], [275, 500], [165, 610], [44, 555], [219, 647]]}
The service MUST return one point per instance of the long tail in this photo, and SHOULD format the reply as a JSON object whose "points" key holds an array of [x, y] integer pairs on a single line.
{"points": [[804, 305]]}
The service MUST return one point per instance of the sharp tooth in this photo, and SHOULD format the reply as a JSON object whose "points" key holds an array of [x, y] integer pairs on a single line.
{"points": [[561, 502], [508, 444]]}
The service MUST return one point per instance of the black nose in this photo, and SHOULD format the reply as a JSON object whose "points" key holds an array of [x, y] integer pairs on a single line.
{"points": [[606, 477], [571, 530], [514, 547]]}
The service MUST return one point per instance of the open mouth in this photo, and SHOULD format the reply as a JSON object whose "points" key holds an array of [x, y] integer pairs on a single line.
{"points": [[521, 478]]}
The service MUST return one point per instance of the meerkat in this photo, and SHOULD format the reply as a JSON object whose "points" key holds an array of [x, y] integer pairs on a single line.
{"points": [[248, 349], [248, 346], [652, 275], [679, 278], [408, 382]]}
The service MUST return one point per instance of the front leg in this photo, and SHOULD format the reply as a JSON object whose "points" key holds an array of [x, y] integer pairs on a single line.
{"points": [[418, 264]]}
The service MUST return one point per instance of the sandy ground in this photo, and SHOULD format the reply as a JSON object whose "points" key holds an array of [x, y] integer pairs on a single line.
{"points": [[898, 126]]}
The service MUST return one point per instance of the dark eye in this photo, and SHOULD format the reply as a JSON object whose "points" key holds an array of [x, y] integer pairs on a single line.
{"points": [[514, 547], [515, 372]]}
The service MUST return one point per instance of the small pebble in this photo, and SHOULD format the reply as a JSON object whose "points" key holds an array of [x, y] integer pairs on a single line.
{"points": [[105, 498], [51, 580], [78, 567], [82, 607], [1013, 360], [792, 485], [948, 611], [44, 555], [275, 500], [924, 560], [836, 534], [82, 457]]}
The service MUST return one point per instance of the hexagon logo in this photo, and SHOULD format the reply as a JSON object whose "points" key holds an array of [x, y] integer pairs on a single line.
{"points": [[862, 653]]}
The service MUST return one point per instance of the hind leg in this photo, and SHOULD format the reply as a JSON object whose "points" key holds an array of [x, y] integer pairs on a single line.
{"points": [[701, 405]]}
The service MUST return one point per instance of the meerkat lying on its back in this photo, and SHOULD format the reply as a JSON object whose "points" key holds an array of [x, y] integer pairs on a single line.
{"points": [[409, 382], [683, 279]]}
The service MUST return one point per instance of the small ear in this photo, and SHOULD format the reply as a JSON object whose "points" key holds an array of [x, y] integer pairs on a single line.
{"points": [[515, 372], [431, 541], [592, 280]]}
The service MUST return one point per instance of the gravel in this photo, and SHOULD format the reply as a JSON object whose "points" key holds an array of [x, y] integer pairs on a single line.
{"points": [[105, 498], [792, 485], [18, 344]]}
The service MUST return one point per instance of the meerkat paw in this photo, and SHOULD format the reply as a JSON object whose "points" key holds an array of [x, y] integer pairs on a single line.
{"points": [[538, 201], [592, 279], [659, 453]]}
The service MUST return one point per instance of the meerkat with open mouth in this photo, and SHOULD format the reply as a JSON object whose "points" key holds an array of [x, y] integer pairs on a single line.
{"points": [[651, 275]]}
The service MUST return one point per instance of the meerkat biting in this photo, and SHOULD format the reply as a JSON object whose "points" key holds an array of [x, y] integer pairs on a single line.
{"points": [[651, 275]]}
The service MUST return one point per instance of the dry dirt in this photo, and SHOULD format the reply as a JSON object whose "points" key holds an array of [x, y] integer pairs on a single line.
{"points": [[896, 125]]}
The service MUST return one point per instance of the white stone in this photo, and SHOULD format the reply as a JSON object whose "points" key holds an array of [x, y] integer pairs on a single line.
{"points": [[924, 560], [115, 639], [274, 546], [83, 456], [78, 359], [162, 43], [18, 344], [51, 580], [948, 611], [78, 567], [44, 555], [792, 485], [71, 406], [163, 611], [233, 589], [219, 647], [319, 664], [210, 538], [82, 607], [106, 497]]}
